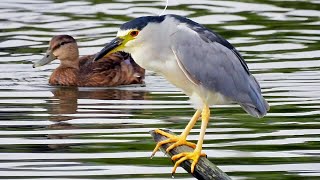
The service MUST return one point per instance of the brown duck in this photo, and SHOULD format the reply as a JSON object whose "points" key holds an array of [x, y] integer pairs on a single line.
{"points": [[116, 69]]}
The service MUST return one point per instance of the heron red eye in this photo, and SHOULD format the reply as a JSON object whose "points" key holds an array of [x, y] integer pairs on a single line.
{"points": [[134, 33]]}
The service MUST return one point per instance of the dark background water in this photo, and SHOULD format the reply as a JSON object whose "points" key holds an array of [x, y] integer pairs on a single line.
{"points": [[102, 133]]}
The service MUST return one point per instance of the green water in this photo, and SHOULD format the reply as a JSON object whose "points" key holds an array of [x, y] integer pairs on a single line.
{"points": [[102, 133]]}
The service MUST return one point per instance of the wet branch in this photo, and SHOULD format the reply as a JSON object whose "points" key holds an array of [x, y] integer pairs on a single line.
{"points": [[204, 169]]}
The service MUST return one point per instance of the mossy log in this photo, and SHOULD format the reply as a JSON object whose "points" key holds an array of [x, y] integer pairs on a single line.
{"points": [[204, 170]]}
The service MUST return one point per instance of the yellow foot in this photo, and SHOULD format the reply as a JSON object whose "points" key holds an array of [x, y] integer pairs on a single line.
{"points": [[176, 140], [194, 156]]}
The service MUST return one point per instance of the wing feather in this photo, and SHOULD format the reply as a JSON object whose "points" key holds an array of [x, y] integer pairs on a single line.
{"points": [[218, 68]]}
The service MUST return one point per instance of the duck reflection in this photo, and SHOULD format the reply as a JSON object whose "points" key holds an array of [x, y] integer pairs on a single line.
{"points": [[63, 106], [64, 103]]}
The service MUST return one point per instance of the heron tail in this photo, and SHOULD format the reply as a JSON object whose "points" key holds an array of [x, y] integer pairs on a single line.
{"points": [[255, 111], [258, 107]]}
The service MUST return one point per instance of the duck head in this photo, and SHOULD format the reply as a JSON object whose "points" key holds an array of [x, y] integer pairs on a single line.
{"points": [[62, 47]]}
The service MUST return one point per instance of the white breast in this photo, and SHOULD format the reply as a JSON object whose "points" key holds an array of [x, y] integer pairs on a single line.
{"points": [[153, 52]]}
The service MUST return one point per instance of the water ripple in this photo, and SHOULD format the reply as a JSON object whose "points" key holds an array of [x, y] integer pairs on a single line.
{"points": [[102, 133]]}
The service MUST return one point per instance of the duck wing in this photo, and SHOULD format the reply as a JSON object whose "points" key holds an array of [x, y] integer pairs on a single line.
{"points": [[112, 70]]}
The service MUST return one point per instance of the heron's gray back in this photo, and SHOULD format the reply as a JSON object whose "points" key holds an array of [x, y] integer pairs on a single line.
{"points": [[218, 68]]}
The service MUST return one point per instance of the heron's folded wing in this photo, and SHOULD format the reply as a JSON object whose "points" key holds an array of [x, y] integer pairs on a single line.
{"points": [[216, 67]]}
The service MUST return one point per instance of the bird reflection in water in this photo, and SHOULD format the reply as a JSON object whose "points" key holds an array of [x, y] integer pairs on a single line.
{"points": [[63, 107]]}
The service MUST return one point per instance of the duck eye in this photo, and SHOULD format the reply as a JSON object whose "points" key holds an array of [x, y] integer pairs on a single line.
{"points": [[134, 33]]}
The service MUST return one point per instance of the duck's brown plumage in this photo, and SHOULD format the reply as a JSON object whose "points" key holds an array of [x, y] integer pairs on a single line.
{"points": [[114, 70]]}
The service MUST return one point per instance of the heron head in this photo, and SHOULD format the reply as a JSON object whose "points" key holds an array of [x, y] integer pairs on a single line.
{"points": [[131, 34]]}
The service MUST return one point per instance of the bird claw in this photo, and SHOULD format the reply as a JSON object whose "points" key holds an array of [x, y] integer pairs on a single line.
{"points": [[179, 158], [176, 140], [159, 144], [180, 142]]}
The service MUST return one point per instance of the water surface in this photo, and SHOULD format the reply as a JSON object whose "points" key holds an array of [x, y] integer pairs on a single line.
{"points": [[102, 133]]}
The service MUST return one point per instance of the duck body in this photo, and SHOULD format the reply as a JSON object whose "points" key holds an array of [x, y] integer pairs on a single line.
{"points": [[116, 69]]}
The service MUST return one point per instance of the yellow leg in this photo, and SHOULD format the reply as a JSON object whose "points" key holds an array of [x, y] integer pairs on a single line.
{"points": [[178, 140], [195, 155]]}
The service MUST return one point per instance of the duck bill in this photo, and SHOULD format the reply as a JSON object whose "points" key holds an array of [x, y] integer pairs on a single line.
{"points": [[113, 46], [47, 58]]}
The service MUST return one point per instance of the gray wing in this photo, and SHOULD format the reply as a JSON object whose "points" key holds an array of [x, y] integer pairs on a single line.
{"points": [[217, 66]]}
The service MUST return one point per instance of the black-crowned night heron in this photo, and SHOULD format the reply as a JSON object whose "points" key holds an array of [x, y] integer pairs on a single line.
{"points": [[195, 59]]}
